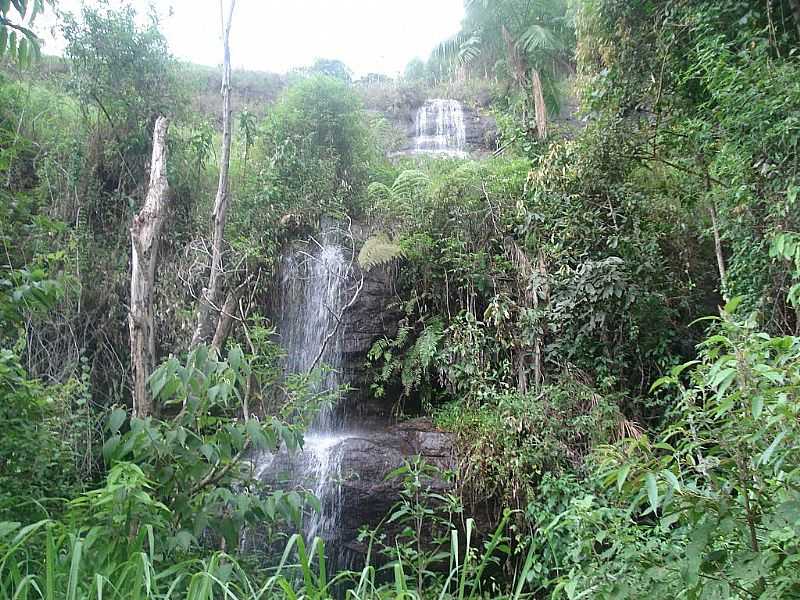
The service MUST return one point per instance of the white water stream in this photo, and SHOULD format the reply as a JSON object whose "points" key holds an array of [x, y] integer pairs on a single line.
{"points": [[440, 128], [312, 293]]}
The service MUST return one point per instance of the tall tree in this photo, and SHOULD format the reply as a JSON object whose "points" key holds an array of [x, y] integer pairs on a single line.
{"points": [[145, 233], [211, 297], [531, 38]]}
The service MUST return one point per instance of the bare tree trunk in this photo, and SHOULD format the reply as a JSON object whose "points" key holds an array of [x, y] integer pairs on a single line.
{"points": [[228, 316], [544, 291], [712, 209], [538, 104], [212, 295], [145, 232]]}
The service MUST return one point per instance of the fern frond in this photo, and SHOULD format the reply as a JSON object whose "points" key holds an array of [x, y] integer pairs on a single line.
{"points": [[378, 193], [427, 344], [410, 184], [378, 250]]}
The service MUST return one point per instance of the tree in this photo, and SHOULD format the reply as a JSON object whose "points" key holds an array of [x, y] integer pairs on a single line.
{"points": [[531, 38], [126, 72], [332, 68], [212, 294], [145, 233], [318, 141], [416, 70]]}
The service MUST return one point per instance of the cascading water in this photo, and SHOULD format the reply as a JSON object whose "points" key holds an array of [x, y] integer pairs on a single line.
{"points": [[440, 128], [313, 287]]}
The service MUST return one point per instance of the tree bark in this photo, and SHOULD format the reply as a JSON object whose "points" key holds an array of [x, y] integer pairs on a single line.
{"points": [[211, 297], [228, 316], [145, 233], [712, 209], [538, 104]]}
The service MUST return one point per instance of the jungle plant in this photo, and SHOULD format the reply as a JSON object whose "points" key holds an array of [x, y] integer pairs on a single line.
{"points": [[709, 506], [17, 39]]}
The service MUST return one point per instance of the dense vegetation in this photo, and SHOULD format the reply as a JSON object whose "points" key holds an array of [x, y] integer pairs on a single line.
{"points": [[605, 314]]}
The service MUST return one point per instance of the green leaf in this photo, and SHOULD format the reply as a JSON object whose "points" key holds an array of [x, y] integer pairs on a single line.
{"points": [[757, 405], [733, 304], [767, 455], [116, 419], [622, 475], [7, 527], [110, 447], [12, 45], [22, 52], [671, 479], [652, 491]]}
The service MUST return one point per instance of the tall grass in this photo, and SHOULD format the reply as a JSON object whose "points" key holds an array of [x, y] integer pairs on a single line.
{"points": [[44, 561]]}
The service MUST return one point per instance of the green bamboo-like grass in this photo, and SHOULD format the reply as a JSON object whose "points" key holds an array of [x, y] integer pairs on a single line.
{"points": [[39, 564]]}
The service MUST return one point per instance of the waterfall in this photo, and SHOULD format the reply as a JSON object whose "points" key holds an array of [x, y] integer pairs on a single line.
{"points": [[440, 128], [313, 288]]}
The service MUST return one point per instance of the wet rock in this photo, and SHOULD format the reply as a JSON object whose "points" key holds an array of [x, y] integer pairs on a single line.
{"points": [[358, 493]]}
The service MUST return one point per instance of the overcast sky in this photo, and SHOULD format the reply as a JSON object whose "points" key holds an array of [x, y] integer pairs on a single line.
{"points": [[276, 35]]}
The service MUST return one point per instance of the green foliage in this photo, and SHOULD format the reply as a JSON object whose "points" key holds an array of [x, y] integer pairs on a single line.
{"points": [[315, 144], [331, 68], [430, 537], [17, 40], [545, 435], [196, 459], [38, 469], [126, 73], [378, 250], [723, 91], [710, 506]]}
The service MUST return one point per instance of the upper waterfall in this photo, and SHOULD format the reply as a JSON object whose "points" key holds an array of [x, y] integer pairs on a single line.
{"points": [[440, 128]]}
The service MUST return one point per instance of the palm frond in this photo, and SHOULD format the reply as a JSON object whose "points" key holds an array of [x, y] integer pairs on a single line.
{"points": [[538, 37]]}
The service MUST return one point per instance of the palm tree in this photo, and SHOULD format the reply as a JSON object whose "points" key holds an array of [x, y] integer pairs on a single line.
{"points": [[531, 39]]}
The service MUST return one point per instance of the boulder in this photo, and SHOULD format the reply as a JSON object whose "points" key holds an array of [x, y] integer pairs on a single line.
{"points": [[348, 473]]}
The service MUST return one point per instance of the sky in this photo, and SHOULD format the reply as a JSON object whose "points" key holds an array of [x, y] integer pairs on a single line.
{"points": [[379, 36]]}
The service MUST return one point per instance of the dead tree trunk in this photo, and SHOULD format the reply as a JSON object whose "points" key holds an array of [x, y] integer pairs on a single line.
{"points": [[228, 316], [712, 210], [538, 104], [145, 233], [210, 300]]}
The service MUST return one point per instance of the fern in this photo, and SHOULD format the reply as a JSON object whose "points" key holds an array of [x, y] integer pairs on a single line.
{"points": [[420, 357], [410, 184], [378, 193], [378, 250]]}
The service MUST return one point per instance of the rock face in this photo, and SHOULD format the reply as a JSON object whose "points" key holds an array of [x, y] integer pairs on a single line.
{"points": [[359, 494], [371, 318], [367, 497]]}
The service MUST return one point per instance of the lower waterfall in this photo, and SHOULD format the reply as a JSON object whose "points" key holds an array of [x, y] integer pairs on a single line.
{"points": [[313, 288]]}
